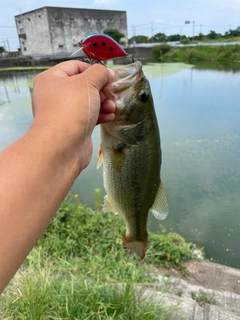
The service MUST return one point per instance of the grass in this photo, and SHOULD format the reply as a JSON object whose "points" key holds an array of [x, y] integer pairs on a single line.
{"points": [[76, 268], [203, 298], [40, 295], [200, 53]]}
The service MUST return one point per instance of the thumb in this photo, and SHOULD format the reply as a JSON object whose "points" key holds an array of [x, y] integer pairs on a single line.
{"points": [[99, 75]]}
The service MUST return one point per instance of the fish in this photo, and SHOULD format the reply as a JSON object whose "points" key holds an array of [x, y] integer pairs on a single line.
{"points": [[130, 152]]}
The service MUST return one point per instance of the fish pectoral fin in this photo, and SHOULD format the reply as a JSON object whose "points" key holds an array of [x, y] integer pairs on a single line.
{"points": [[100, 157], [160, 206], [107, 206], [130, 126]]}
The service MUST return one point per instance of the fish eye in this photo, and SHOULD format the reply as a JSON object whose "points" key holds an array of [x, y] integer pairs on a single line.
{"points": [[143, 96]]}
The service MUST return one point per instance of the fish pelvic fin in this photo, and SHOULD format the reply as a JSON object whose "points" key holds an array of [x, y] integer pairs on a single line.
{"points": [[100, 157], [107, 206], [160, 206], [138, 246]]}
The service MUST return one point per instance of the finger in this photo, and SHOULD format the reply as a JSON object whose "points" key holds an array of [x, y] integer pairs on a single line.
{"points": [[107, 112], [69, 68], [105, 117], [99, 75], [108, 106]]}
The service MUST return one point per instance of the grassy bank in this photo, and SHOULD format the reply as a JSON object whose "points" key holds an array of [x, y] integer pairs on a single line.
{"points": [[25, 68], [166, 53], [75, 270]]}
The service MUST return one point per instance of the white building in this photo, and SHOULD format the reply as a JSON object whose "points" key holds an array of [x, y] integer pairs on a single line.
{"points": [[55, 31]]}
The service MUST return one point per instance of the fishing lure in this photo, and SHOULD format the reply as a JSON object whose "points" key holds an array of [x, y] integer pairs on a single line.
{"points": [[98, 46]]}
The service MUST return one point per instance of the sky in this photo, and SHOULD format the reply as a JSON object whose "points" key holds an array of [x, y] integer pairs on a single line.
{"points": [[143, 17]]}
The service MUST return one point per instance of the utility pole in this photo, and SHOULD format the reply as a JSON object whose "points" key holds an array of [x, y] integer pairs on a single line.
{"points": [[134, 34], [8, 45], [4, 44], [193, 22], [193, 31], [152, 30]]}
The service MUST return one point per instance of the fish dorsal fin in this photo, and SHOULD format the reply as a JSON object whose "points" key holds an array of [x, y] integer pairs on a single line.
{"points": [[107, 206], [100, 157], [160, 206]]}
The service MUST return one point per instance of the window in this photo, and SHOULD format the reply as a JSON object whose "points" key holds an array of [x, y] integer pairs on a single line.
{"points": [[25, 49], [29, 19], [75, 45], [60, 46], [21, 30], [57, 19], [72, 19]]}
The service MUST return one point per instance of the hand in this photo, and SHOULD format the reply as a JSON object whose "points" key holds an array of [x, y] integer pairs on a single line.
{"points": [[68, 99], [38, 170]]}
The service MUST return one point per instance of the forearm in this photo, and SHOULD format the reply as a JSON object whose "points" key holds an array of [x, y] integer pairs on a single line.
{"points": [[36, 173], [38, 170]]}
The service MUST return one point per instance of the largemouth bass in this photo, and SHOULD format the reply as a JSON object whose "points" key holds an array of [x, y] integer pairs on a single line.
{"points": [[131, 156]]}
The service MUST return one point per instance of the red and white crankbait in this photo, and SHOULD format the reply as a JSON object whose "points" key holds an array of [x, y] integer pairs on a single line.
{"points": [[98, 46]]}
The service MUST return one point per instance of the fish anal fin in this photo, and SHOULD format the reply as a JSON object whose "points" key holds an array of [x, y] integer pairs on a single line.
{"points": [[107, 206], [100, 157], [160, 206]]}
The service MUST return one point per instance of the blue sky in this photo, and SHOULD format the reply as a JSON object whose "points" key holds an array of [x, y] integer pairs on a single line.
{"points": [[144, 17]]}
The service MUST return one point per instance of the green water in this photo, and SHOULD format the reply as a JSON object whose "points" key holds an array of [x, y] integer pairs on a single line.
{"points": [[198, 110]]}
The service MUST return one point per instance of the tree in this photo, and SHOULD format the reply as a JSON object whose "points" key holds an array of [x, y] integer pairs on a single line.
{"points": [[2, 49], [174, 37], [115, 34], [159, 37], [138, 39], [200, 36], [213, 35], [234, 33]]}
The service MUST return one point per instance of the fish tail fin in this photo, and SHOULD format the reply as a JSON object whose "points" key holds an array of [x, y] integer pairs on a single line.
{"points": [[138, 246]]}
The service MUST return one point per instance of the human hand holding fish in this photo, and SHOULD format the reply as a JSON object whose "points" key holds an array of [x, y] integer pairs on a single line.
{"points": [[66, 100], [38, 170]]}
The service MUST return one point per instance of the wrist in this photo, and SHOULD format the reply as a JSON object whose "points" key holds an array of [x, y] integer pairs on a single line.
{"points": [[60, 147]]}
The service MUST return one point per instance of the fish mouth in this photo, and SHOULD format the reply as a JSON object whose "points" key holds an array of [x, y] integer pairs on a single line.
{"points": [[125, 77]]}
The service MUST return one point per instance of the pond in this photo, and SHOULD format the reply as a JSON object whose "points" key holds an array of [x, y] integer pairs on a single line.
{"points": [[198, 110]]}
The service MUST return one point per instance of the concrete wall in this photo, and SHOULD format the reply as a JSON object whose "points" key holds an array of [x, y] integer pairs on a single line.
{"points": [[33, 32], [54, 31]]}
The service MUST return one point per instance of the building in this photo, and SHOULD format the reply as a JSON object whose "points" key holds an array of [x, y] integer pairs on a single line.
{"points": [[55, 31]]}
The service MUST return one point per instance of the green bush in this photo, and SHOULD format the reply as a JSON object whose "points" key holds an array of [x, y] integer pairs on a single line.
{"points": [[203, 53], [158, 51], [97, 239]]}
